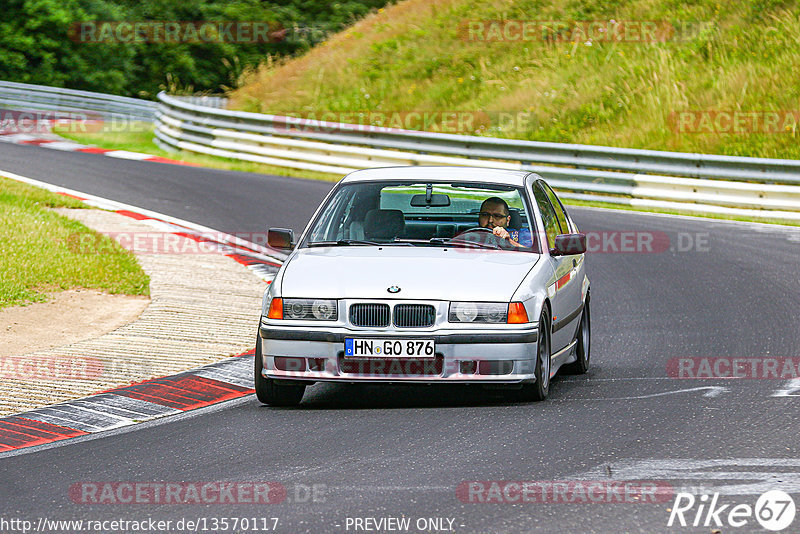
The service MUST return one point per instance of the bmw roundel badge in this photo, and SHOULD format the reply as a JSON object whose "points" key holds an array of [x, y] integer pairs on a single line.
{"points": [[394, 289]]}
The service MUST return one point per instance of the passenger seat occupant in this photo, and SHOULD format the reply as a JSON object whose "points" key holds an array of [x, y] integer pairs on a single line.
{"points": [[495, 216], [384, 224]]}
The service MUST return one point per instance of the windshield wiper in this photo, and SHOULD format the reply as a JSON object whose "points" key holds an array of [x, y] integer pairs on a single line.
{"points": [[465, 243], [433, 241], [445, 242], [347, 242], [342, 242]]}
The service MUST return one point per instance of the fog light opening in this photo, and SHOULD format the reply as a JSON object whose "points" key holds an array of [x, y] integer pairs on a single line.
{"points": [[496, 367], [283, 363], [468, 367], [316, 364]]}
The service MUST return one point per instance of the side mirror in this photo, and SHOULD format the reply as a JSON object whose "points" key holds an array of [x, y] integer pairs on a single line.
{"points": [[568, 244], [280, 238]]}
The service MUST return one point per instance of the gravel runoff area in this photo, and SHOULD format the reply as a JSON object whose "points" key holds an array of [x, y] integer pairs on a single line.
{"points": [[204, 307]]}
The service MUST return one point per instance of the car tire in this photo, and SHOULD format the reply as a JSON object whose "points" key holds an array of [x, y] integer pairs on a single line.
{"points": [[268, 392], [584, 346], [538, 390]]}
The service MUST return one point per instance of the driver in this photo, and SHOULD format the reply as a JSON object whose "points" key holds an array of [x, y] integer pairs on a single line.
{"points": [[495, 216]]}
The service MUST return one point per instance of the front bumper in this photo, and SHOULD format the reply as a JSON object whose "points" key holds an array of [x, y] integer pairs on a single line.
{"points": [[462, 356]]}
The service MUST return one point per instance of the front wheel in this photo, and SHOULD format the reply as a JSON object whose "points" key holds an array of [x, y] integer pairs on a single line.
{"points": [[268, 392], [539, 390]]}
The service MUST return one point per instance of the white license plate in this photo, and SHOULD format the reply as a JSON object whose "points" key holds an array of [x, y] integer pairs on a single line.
{"points": [[389, 348]]}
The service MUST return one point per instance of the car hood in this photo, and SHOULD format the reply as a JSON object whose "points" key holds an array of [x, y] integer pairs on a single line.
{"points": [[423, 273]]}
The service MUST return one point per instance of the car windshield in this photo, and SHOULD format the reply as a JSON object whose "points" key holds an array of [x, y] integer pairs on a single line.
{"points": [[431, 214]]}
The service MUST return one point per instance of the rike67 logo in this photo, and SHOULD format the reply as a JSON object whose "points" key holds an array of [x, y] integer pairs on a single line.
{"points": [[774, 510]]}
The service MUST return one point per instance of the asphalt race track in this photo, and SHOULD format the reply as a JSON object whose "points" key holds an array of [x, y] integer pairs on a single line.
{"points": [[356, 453], [223, 200]]}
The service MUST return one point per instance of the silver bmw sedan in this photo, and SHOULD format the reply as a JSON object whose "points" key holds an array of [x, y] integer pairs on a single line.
{"points": [[427, 275]]}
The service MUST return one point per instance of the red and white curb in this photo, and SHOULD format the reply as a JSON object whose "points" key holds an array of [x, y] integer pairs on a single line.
{"points": [[159, 397], [129, 405], [50, 140]]}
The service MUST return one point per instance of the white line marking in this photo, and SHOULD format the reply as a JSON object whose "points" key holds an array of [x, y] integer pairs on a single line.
{"points": [[712, 391], [17, 138], [124, 154], [792, 389], [125, 407], [47, 417], [622, 379], [783, 473], [66, 145], [225, 378]]}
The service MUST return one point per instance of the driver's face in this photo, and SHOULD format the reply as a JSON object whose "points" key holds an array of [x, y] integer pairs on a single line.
{"points": [[493, 215]]}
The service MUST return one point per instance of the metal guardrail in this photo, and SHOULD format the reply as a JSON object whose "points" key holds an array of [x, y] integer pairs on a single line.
{"points": [[693, 182], [70, 102]]}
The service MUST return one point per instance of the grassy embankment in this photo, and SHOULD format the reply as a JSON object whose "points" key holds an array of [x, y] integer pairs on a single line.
{"points": [[41, 252], [419, 55]]}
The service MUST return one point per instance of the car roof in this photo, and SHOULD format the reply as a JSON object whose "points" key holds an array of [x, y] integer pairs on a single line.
{"points": [[451, 173]]}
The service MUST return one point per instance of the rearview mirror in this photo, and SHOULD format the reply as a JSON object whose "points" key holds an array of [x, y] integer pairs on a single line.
{"points": [[568, 244], [436, 201], [280, 238]]}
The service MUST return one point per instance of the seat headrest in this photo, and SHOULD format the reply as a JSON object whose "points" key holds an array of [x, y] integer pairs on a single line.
{"points": [[446, 230], [516, 220], [383, 224]]}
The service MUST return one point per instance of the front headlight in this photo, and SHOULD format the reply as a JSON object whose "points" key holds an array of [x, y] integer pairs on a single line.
{"points": [[310, 309], [478, 312]]}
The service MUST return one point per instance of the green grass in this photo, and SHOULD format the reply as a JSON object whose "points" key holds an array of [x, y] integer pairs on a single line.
{"points": [[138, 137], [416, 56], [43, 252]]}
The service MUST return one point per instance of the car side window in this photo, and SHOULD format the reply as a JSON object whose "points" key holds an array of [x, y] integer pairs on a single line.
{"points": [[562, 218], [549, 217]]}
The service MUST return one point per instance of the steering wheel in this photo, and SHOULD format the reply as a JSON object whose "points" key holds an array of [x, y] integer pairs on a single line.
{"points": [[496, 242], [477, 229]]}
